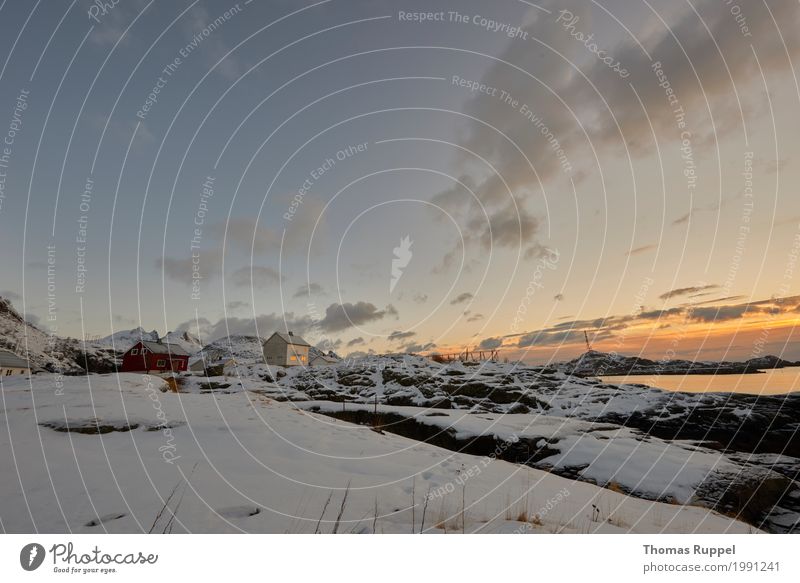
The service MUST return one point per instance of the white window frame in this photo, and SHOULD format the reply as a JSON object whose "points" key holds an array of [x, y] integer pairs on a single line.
{"points": [[161, 362], [134, 351]]}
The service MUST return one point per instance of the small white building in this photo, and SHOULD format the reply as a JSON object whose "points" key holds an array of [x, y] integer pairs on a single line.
{"points": [[11, 364], [320, 359], [285, 350], [226, 365]]}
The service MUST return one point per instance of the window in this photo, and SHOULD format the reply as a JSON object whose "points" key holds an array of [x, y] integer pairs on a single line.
{"points": [[293, 358], [134, 351], [8, 373], [161, 362]]}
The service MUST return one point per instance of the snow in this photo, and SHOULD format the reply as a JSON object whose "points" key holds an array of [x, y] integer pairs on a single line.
{"points": [[254, 464], [245, 349], [602, 453], [656, 468], [43, 350]]}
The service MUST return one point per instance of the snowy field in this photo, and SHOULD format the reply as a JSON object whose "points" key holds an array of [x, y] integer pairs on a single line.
{"points": [[123, 453]]}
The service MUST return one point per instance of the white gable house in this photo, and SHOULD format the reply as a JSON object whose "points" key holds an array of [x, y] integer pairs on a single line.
{"points": [[285, 350], [11, 364]]}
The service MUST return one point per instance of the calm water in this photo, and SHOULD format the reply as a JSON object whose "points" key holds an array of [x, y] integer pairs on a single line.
{"points": [[772, 382]]}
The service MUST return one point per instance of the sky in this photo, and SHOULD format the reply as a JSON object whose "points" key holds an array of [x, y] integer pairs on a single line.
{"points": [[407, 176]]}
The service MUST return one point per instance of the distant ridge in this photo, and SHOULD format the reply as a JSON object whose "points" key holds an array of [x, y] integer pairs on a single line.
{"points": [[595, 363]]}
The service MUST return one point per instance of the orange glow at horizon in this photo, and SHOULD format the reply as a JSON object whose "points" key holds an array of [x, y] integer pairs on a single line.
{"points": [[741, 339]]}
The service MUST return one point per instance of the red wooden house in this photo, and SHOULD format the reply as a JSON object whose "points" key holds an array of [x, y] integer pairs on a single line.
{"points": [[145, 356]]}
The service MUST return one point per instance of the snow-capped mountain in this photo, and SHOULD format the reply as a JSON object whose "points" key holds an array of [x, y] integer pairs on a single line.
{"points": [[50, 352], [185, 340], [124, 339]]}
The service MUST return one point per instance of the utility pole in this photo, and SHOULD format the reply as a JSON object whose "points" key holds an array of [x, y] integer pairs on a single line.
{"points": [[586, 337]]}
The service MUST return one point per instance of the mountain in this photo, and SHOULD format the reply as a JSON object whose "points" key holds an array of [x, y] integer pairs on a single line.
{"points": [[770, 361], [189, 343], [124, 339], [50, 352], [595, 363]]}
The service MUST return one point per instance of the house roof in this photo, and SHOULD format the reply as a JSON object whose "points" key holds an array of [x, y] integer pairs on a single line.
{"points": [[164, 348], [324, 357], [211, 363], [289, 339], [11, 360]]}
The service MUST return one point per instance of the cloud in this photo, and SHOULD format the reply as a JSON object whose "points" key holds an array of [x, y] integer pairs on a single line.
{"points": [[558, 297], [446, 263], [214, 47], [718, 314], [327, 345], [461, 298], [683, 291], [418, 347], [180, 270], [309, 289], [235, 305], [113, 25], [510, 226], [571, 332], [340, 317], [400, 335], [420, 298], [720, 300], [557, 337], [355, 342], [572, 103], [713, 207], [682, 219], [490, 343], [245, 234], [642, 249], [264, 325], [123, 320], [475, 317], [262, 277]]}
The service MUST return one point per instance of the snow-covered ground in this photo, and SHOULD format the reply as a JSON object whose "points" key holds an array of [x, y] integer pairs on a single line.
{"points": [[602, 453], [121, 453]]}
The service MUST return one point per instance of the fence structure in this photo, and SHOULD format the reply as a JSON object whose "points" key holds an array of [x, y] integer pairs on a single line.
{"points": [[465, 355]]}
